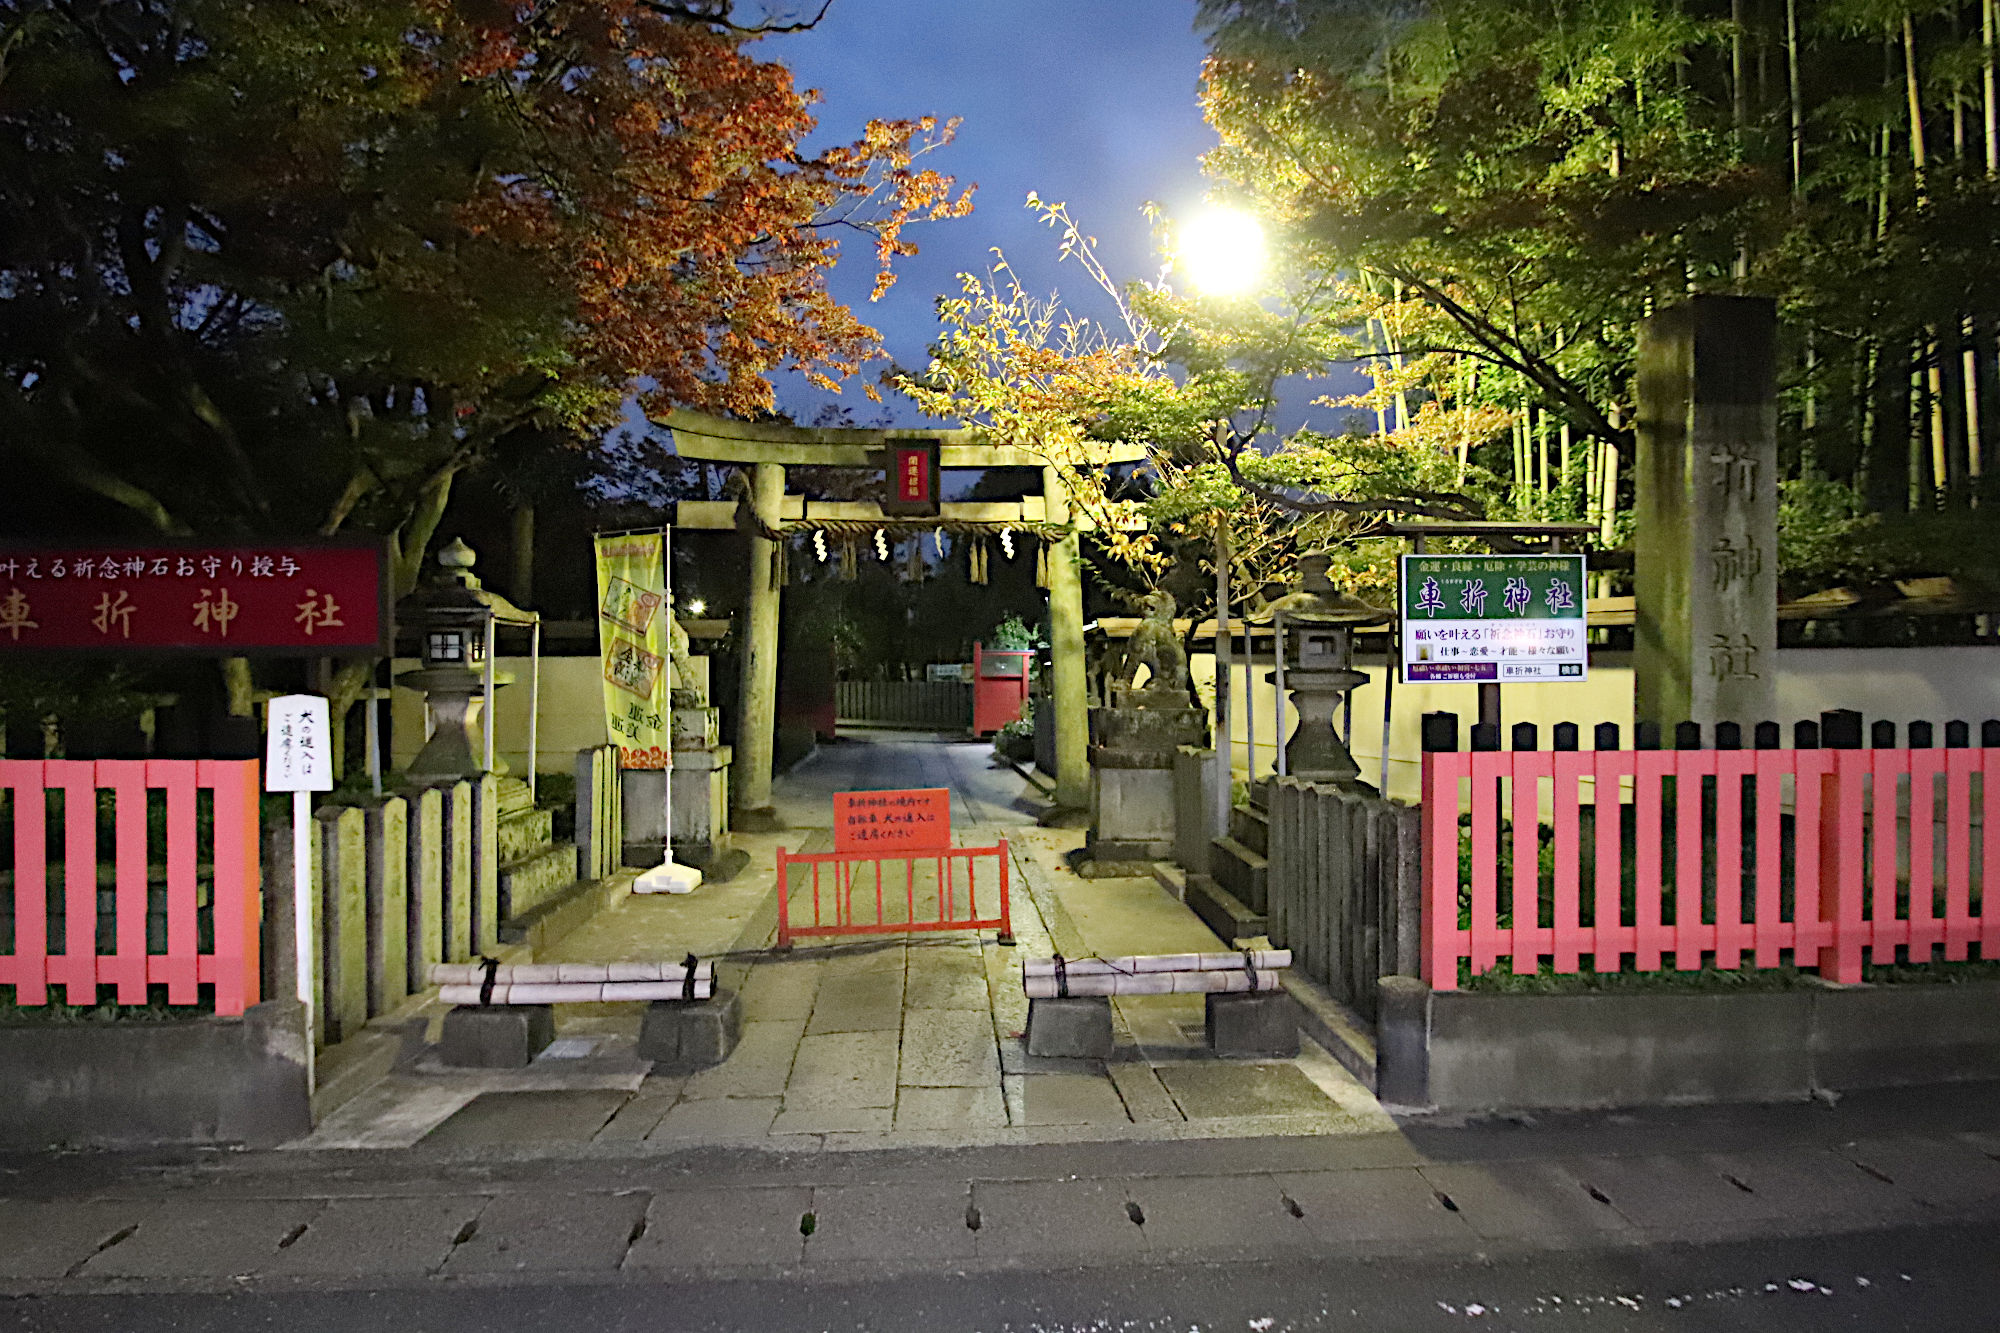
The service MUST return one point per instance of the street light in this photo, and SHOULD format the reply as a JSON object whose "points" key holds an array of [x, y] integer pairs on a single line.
{"points": [[1222, 251]]}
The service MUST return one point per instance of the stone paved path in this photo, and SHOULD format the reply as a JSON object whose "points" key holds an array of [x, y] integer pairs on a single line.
{"points": [[907, 1040]]}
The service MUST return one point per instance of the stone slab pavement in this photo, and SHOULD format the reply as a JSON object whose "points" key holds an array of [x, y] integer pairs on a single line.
{"points": [[915, 1039], [605, 1211]]}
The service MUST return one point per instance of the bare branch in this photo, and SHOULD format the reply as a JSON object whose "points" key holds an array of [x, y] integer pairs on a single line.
{"points": [[716, 13]]}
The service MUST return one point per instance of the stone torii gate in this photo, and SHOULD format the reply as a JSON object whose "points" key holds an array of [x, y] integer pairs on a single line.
{"points": [[766, 450]]}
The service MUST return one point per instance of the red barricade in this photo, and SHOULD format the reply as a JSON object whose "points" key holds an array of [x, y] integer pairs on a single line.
{"points": [[837, 877]]}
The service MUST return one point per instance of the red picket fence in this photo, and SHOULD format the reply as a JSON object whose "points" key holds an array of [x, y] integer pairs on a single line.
{"points": [[230, 966], [931, 906], [1706, 847]]}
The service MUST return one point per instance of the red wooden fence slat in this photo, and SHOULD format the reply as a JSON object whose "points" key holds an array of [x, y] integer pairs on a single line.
{"points": [[1989, 853], [26, 969], [1691, 935], [1488, 767], [1772, 768], [1808, 794], [126, 968], [179, 969], [1732, 933], [1441, 942], [1529, 941], [1843, 865], [75, 968], [1570, 939], [1926, 929], [238, 903], [1651, 938], [1960, 930], [1887, 929], [1612, 938]]}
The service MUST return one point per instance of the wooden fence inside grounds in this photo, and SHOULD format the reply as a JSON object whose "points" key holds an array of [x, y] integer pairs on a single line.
{"points": [[928, 705]]}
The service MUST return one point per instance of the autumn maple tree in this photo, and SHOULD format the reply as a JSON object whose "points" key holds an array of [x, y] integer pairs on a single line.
{"points": [[291, 266]]}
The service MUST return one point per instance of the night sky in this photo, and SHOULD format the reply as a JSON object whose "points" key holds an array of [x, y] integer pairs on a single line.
{"points": [[1092, 102]]}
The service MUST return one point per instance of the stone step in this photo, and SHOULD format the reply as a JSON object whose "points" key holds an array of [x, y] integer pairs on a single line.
{"points": [[1222, 912], [1251, 827], [1241, 871], [513, 796], [525, 833], [527, 884]]}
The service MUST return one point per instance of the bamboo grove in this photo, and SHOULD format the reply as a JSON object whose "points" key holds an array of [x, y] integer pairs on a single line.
{"points": [[1497, 191]]}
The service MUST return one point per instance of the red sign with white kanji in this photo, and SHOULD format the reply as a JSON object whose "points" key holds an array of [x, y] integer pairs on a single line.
{"points": [[892, 821], [913, 479], [913, 474], [317, 600]]}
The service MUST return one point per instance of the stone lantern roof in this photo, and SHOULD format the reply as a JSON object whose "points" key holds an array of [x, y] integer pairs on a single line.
{"points": [[1318, 602]]}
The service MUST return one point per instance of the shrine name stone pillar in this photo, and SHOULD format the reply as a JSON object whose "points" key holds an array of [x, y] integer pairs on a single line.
{"points": [[1706, 519], [757, 726], [1072, 721]]}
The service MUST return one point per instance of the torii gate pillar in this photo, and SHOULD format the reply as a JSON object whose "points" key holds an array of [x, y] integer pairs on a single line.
{"points": [[1066, 650], [757, 725]]}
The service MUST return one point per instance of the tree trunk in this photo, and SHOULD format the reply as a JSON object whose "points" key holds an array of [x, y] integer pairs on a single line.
{"points": [[1989, 16], [238, 687], [522, 549], [406, 557], [1913, 91], [1739, 104]]}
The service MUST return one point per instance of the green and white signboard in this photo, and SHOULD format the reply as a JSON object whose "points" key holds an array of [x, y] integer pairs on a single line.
{"points": [[1497, 618]]}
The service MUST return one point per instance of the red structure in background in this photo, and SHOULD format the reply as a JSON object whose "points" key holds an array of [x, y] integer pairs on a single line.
{"points": [[1000, 683]]}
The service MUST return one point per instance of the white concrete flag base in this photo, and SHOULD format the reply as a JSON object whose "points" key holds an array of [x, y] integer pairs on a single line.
{"points": [[668, 877]]}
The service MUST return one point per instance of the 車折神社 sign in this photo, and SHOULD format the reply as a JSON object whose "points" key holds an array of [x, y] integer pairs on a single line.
{"points": [[318, 600], [891, 821], [1493, 617]]}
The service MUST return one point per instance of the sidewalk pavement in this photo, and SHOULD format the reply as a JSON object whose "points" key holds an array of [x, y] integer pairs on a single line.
{"points": [[609, 1212], [891, 1041]]}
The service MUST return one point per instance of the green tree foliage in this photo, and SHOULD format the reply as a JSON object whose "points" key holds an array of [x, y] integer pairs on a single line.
{"points": [[282, 267], [1519, 182], [1196, 380]]}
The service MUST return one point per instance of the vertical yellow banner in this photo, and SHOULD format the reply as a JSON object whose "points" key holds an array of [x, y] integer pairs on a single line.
{"points": [[633, 603]]}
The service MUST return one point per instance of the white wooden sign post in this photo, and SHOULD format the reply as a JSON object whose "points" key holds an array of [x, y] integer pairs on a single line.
{"points": [[298, 758]]}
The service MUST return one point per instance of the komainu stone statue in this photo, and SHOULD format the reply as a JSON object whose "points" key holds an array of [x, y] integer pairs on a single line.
{"points": [[1157, 647]]}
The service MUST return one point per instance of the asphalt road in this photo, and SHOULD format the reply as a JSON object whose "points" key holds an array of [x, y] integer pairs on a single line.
{"points": [[1939, 1278]]}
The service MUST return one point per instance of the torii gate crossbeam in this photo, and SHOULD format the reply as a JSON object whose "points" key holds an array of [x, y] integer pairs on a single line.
{"points": [[766, 451]]}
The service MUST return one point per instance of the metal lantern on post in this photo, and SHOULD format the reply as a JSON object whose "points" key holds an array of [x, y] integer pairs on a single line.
{"points": [[1314, 632]]}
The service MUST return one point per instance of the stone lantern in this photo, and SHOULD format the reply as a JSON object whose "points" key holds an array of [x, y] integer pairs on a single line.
{"points": [[452, 616], [1315, 642]]}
